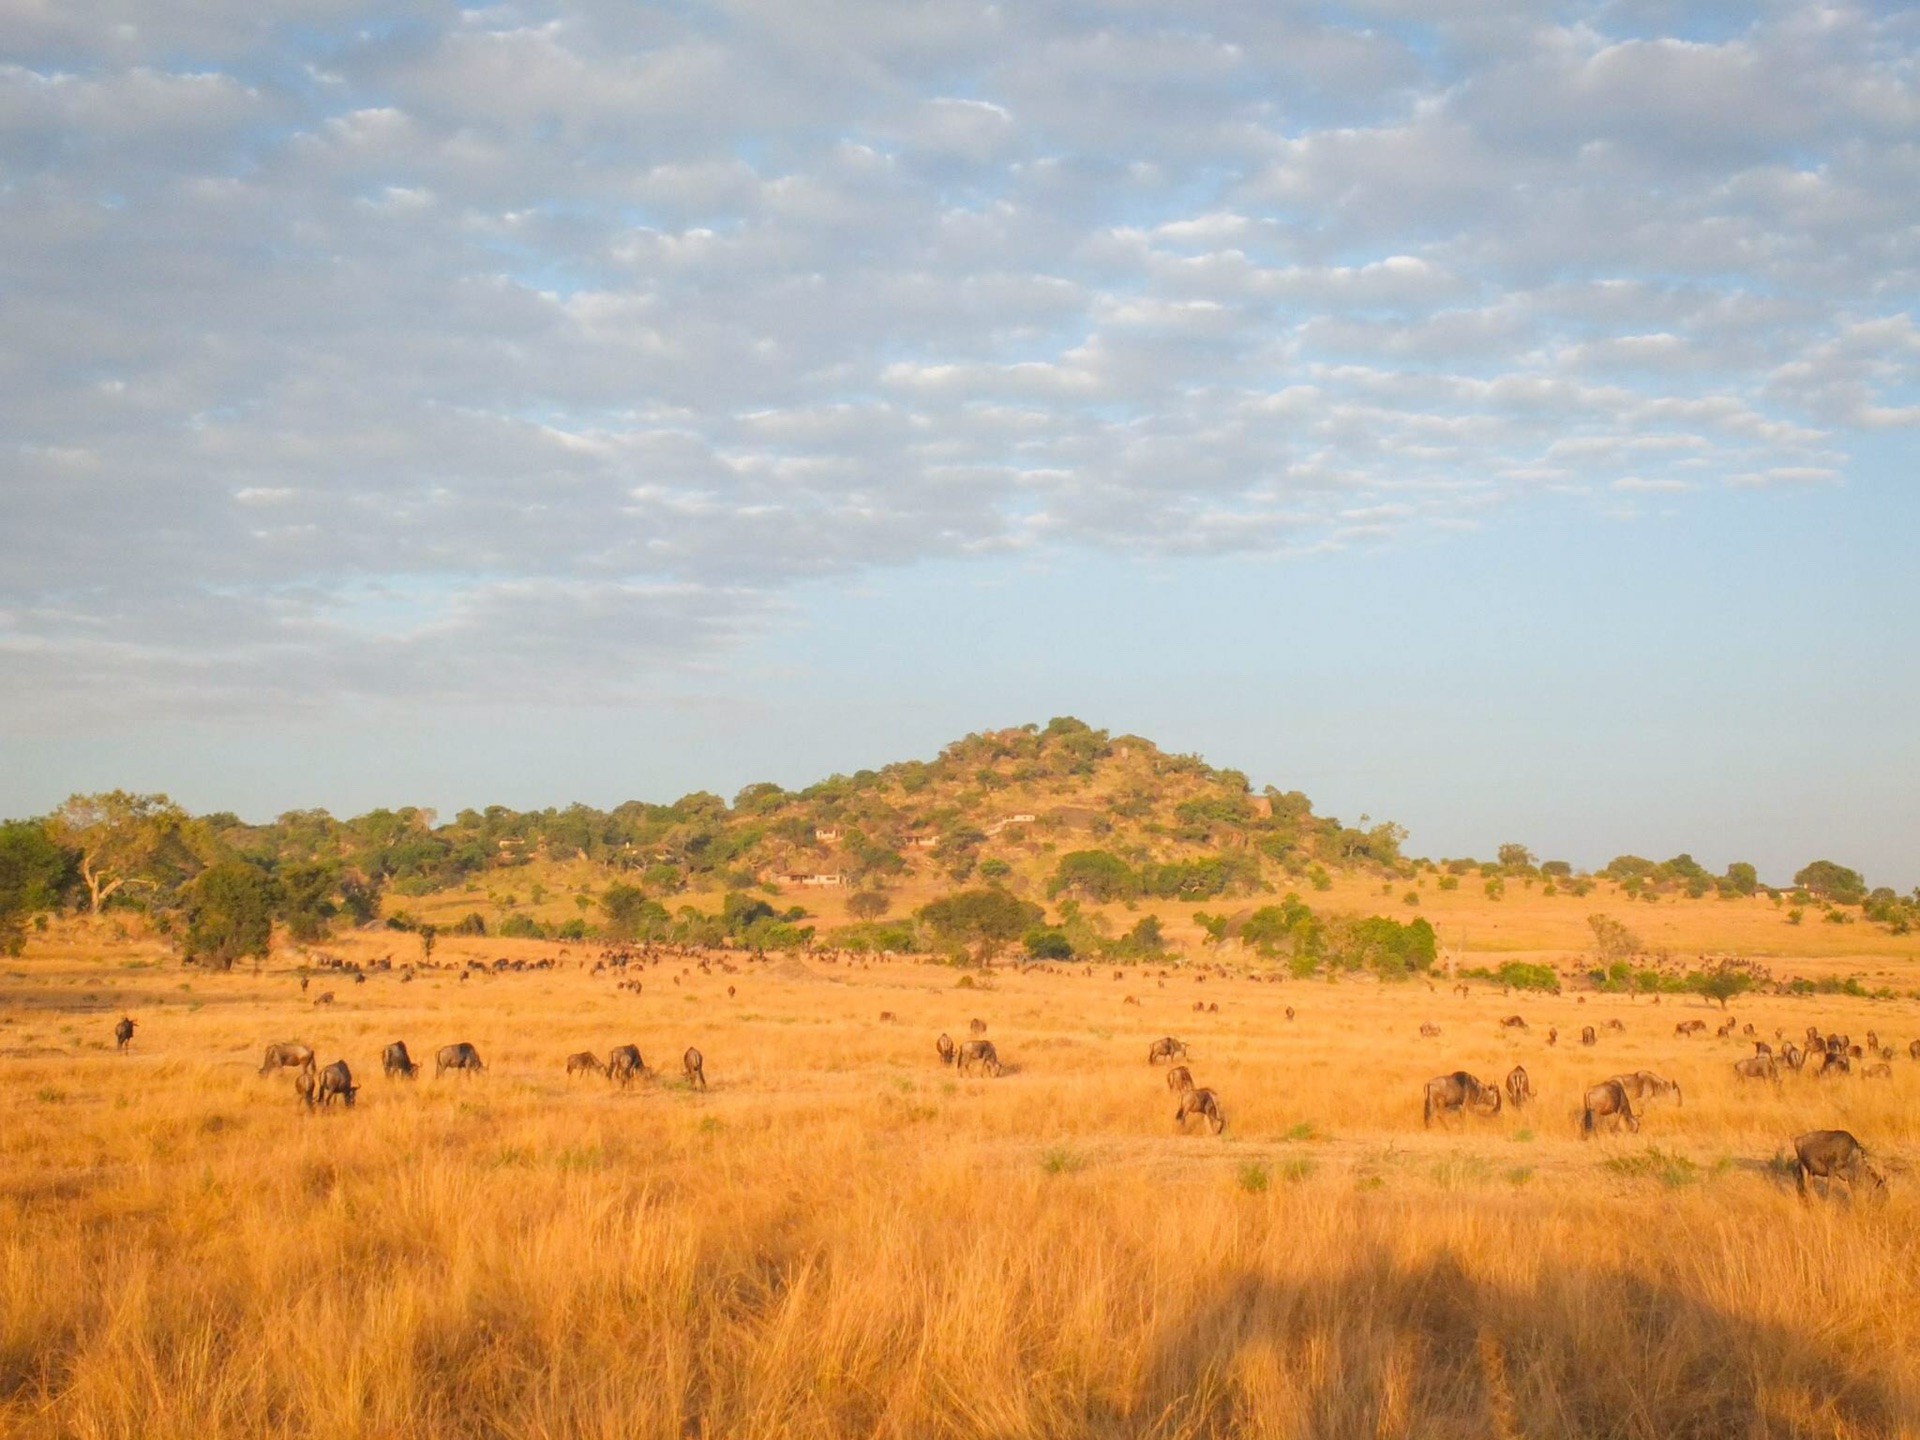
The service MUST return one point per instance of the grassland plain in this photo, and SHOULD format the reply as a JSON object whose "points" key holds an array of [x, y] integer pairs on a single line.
{"points": [[841, 1237]]}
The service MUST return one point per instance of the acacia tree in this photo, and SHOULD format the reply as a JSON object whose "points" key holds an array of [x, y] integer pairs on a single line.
{"points": [[116, 836], [229, 913]]}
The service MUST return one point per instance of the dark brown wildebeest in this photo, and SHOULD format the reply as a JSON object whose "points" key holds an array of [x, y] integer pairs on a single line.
{"points": [[585, 1060], [394, 1060], [945, 1046], [1689, 1027], [976, 1027], [1165, 1048], [1913, 1049], [1616, 1025], [1519, 1086], [123, 1033], [1879, 1070], [1429, 1029], [1513, 1022], [1607, 1099], [624, 1063], [1792, 1054], [1645, 1085], [886, 1017], [692, 1065], [1179, 1079], [1832, 1063], [1553, 1035], [981, 1053], [1450, 1094], [1873, 1039], [336, 1082], [1290, 1016], [1129, 1000], [1761, 1047], [1589, 1036], [1203, 1103], [1757, 1067], [1831, 1155], [290, 1053], [460, 1056], [304, 1084]]}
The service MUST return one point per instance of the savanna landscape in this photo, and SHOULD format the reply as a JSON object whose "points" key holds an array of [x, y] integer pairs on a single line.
{"points": [[836, 1232]]}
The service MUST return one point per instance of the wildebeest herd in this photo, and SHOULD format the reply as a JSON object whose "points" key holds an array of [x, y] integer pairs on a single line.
{"points": [[1821, 1155]]}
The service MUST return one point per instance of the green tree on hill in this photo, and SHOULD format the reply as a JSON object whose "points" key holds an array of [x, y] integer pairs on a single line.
{"points": [[1832, 882], [988, 919], [1096, 875]]}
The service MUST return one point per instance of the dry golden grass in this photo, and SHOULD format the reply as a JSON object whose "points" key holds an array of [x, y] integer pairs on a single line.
{"points": [[842, 1238]]}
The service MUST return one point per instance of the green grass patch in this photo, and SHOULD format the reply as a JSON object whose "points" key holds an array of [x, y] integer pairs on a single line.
{"points": [[1671, 1170], [1522, 1136], [1254, 1177], [1459, 1171], [1519, 1175], [1299, 1168], [1062, 1161]]}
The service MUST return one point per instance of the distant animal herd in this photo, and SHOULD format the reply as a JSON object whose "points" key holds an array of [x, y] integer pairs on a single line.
{"points": [[1822, 1155]]}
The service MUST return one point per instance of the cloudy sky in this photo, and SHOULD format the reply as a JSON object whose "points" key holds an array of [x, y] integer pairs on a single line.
{"points": [[1505, 424]]}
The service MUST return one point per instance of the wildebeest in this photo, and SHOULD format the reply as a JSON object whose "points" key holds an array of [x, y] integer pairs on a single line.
{"points": [[1761, 1047], [1832, 1063], [1834, 1154], [395, 1060], [945, 1046], [691, 1065], [1452, 1093], [1879, 1070], [290, 1053], [1519, 1086], [1179, 1078], [1914, 1049], [1616, 1025], [304, 1084], [981, 1053], [977, 1027], [624, 1063], [325, 997], [123, 1033], [1289, 1013], [1513, 1022], [1607, 1099], [1588, 1035], [1645, 1085], [1792, 1055], [336, 1082], [1553, 1035], [585, 1060], [1757, 1067], [1429, 1029], [1689, 1027], [1165, 1048], [460, 1056], [1203, 1103]]}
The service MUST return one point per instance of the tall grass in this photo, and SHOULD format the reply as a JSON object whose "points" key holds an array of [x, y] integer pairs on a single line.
{"points": [[842, 1238]]}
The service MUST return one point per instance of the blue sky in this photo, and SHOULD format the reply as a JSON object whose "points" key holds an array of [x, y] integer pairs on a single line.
{"points": [[1504, 425]]}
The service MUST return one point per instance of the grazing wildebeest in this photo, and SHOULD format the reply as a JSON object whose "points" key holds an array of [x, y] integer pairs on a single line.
{"points": [[1879, 1070], [291, 1054], [585, 1060], [1608, 1098], [691, 1065], [1519, 1086], [1452, 1093], [1513, 1022], [1616, 1025], [325, 997], [624, 1063], [1689, 1027], [1165, 1048], [981, 1053], [1834, 1154], [886, 1017], [123, 1033], [460, 1056], [1792, 1054], [1833, 1063], [1203, 1103], [1553, 1035], [336, 1082], [395, 1060], [1290, 1016], [1429, 1029], [945, 1046], [1179, 1079], [1645, 1085], [1757, 1067], [1588, 1035], [1129, 1000], [305, 1082], [1761, 1047], [1913, 1049], [977, 1027]]}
